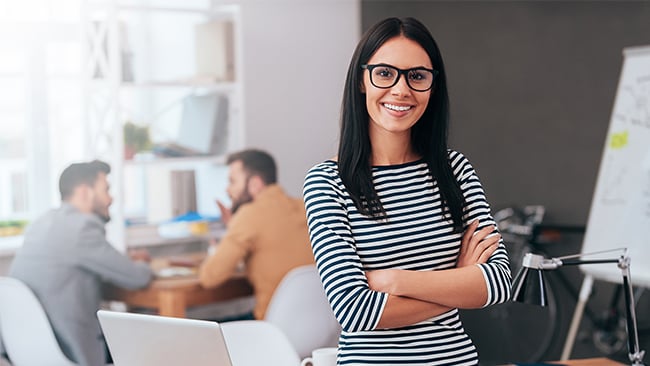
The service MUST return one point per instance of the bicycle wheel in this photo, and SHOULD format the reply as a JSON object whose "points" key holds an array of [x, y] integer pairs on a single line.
{"points": [[513, 332]]}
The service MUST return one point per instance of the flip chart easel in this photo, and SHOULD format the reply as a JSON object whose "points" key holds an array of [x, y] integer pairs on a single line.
{"points": [[620, 209]]}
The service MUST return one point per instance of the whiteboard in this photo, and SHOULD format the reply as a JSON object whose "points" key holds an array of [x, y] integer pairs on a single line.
{"points": [[620, 208]]}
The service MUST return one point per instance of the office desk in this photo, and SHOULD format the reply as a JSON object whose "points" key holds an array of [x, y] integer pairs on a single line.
{"points": [[602, 361], [172, 296], [584, 362]]}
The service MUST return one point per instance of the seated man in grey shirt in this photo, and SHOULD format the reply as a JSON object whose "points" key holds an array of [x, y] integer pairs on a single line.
{"points": [[65, 259]]}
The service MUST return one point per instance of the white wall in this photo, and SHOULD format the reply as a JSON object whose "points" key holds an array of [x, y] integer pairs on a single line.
{"points": [[296, 54]]}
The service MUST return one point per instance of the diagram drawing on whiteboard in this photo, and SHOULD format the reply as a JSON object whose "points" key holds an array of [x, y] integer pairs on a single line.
{"points": [[620, 208]]}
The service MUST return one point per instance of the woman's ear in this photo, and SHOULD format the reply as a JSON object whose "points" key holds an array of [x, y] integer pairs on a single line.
{"points": [[362, 88]]}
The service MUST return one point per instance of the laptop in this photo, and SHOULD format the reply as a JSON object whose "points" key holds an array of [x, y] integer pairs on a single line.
{"points": [[152, 340]]}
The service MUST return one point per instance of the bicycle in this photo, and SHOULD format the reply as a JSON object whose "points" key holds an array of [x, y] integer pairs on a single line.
{"points": [[525, 333], [530, 333]]}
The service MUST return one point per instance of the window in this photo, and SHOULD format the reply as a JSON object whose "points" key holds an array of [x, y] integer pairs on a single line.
{"points": [[41, 104]]}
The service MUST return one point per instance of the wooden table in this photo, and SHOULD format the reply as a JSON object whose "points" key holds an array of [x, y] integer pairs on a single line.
{"points": [[172, 296], [590, 362], [586, 362]]}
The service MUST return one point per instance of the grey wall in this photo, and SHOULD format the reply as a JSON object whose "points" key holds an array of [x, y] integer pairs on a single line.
{"points": [[532, 85]]}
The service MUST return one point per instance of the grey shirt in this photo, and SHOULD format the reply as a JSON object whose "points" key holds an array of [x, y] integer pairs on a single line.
{"points": [[65, 259]]}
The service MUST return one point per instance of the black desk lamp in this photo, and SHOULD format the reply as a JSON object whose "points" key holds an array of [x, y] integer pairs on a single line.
{"points": [[529, 287]]}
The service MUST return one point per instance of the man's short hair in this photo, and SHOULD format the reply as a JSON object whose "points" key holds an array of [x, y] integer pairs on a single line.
{"points": [[256, 162], [81, 173]]}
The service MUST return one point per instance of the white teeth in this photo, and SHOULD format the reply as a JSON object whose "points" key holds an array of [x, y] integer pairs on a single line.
{"points": [[397, 107]]}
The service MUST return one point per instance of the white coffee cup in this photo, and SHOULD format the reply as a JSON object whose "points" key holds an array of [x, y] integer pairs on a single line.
{"points": [[321, 357]]}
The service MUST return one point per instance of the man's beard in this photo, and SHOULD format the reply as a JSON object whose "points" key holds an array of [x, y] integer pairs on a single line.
{"points": [[243, 199], [105, 217]]}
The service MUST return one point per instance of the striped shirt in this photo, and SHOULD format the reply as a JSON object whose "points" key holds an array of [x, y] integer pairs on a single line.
{"points": [[416, 236]]}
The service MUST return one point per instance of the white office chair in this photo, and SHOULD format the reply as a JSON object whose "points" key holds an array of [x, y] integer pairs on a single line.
{"points": [[3, 360], [26, 332], [299, 307], [257, 342]]}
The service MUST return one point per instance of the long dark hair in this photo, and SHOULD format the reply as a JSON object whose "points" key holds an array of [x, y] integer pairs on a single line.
{"points": [[428, 135]]}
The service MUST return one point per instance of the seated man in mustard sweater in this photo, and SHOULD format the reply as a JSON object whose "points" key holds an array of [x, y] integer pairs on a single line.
{"points": [[266, 229]]}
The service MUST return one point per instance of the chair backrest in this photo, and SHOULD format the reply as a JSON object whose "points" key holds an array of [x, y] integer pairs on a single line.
{"points": [[257, 342], [26, 331], [299, 307]]}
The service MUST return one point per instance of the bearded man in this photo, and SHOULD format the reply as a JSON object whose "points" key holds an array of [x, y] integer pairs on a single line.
{"points": [[266, 230], [65, 259]]}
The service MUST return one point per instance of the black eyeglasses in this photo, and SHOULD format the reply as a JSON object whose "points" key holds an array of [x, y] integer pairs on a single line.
{"points": [[385, 76]]}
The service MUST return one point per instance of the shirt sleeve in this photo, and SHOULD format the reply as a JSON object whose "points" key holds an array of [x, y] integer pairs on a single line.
{"points": [[98, 256], [232, 249], [496, 271], [355, 305]]}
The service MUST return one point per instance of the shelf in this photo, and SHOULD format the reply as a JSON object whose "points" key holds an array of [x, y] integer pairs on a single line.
{"points": [[225, 86], [157, 161], [147, 236], [145, 60], [216, 86], [210, 11], [222, 9], [158, 241]]}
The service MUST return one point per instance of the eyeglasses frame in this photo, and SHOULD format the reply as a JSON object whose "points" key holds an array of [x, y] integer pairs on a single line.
{"points": [[400, 72]]}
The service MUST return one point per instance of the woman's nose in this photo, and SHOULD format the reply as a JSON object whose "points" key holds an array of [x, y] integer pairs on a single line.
{"points": [[401, 87]]}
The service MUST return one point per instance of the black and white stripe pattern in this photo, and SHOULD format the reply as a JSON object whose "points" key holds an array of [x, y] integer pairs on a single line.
{"points": [[416, 236]]}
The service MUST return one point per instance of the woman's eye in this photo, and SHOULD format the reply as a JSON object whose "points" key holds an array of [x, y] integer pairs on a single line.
{"points": [[384, 72], [416, 75]]}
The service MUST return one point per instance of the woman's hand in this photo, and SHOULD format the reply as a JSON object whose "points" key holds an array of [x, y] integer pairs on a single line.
{"points": [[477, 247]]}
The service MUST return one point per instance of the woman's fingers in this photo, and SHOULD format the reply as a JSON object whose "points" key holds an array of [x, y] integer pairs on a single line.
{"points": [[488, 245], [469, 232], [483, 233], [489, 250], [478, 246]]}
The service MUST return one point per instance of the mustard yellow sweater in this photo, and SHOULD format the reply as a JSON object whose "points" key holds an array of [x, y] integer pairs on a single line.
{"points": [[270, 236]]}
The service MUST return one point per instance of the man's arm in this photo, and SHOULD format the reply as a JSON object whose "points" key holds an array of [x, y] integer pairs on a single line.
{"points": [[97, 255], [220, 266], [230, 251]]}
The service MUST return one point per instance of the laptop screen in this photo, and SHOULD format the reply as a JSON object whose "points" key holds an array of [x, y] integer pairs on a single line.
{"points": [[151, 340]]}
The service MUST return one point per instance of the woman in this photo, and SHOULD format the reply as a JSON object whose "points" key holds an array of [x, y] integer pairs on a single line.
{"points": [[399, 225]]}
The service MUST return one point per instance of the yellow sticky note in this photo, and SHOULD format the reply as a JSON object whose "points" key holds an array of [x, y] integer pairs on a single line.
{"points": [[618, 140]]}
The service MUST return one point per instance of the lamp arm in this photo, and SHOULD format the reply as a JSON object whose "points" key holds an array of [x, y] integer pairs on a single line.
{"points": [[634, 350], [539, 262], [574, 262], [554, 263]]}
